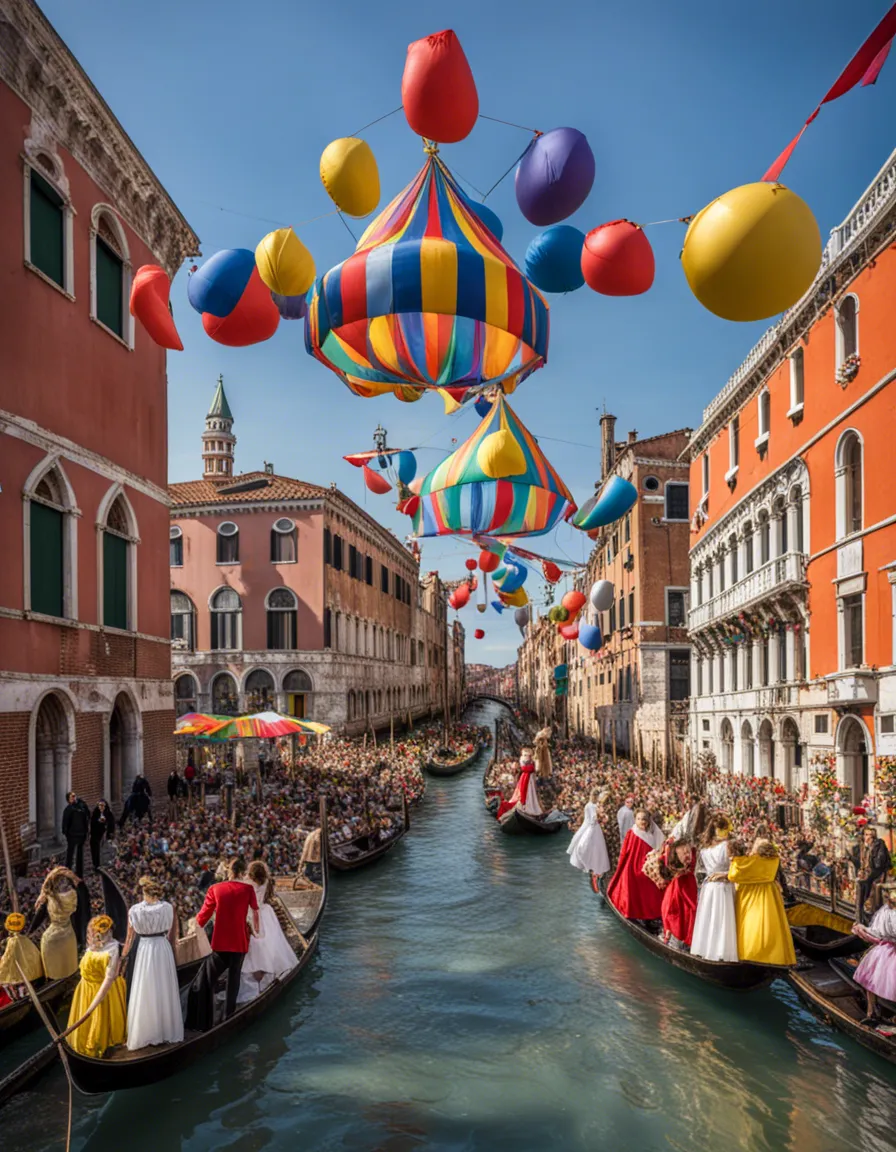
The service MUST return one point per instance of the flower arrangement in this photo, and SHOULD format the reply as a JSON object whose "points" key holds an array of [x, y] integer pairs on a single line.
{"points": [[849, 369], [824, 792]]}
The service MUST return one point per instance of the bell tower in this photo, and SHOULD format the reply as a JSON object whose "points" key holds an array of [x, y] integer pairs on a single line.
{"points": [[218, 440]]}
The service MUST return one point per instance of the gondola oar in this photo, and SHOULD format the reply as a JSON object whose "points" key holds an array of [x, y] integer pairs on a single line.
{"points": [[57, 1043]]}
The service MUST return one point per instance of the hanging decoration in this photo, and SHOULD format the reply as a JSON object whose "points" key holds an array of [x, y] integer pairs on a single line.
{"points": [[551, 572], [350, 176], [488, 218], [470, 565], [236, 306], [554, 176], [284, 263], [290, 307], [617, 260], [612, 502], [601, 595], [438, 92], [521, 618], [149, 303], [554, 259], [479, 633], [488, 561], [377, 484], [459, 498], [590, 637]]}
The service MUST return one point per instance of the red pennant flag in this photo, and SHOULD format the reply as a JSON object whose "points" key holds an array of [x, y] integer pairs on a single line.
{"points": [[864, 68]]}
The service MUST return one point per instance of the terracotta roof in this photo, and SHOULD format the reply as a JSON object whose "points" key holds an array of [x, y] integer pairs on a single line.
{"points": [[270, 488]]}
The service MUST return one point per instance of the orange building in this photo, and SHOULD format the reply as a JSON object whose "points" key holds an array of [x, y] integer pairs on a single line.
{"points": [[793, 558]]}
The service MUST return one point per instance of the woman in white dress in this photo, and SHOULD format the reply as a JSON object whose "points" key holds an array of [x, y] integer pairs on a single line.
{"points": [[270, 954], [715, 925], [155, 1015], [588, 848]]}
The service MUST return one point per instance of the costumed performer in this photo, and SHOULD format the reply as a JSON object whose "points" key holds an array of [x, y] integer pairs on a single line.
{"points": [[877, 969], [588, 849], [525, 793], [58, 944], [680, 894], [18, 953], [625, 817], [155, 1015], [630, 891], [310, 867], [99, 1005], [270, 954], [543, 765], [715, 925], [763, 933]]}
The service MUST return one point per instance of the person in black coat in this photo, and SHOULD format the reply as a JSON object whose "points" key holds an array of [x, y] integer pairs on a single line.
{"points": [[102, 827], [137, 804], [75, 826], [871, 861]]}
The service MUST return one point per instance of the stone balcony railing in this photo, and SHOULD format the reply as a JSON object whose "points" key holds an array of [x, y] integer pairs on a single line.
{"points": [[788, 569], [856, 686]]}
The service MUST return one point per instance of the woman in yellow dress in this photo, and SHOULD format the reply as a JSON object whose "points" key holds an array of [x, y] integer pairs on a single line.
{"points": [[58, 945], [763, 934], [99, 1006]]}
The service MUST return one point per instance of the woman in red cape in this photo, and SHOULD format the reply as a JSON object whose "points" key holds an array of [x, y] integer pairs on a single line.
{"points": [[680, 895], [630, 891], [526, 793]]}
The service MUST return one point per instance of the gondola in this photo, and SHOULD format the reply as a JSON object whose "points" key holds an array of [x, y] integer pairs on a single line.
{"points": [[516, 822], [436, 767], [123, 1069], [828, 989], [739, 976], [821, 934], [366, 849]]}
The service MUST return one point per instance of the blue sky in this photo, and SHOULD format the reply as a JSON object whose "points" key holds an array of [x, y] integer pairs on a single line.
{"points": [[232, 103]]}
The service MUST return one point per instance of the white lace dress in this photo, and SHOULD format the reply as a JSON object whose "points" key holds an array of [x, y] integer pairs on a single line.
{"points": [[588, 848], [715, 926], [269, 953], [154, 1010]]}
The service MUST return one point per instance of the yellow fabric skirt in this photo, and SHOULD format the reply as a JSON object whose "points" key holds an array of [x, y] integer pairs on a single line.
{"points": [[108, 1025]]}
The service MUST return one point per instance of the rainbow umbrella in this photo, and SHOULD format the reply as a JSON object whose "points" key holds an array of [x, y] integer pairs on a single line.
{"points": [[263, 726], [197, 723]]}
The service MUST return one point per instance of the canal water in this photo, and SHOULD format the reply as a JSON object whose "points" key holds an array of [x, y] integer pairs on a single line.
{"points": [[470, 992]]}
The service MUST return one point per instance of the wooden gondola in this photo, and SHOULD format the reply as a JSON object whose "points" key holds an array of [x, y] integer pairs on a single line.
{"points": [[437, 767], [516, 822], [123, 1069], [821, 934], [827, 987], [366, 849], [738, 976]]}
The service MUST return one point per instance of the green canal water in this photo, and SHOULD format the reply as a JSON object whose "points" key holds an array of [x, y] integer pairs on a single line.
{"points": [[470, 992]]}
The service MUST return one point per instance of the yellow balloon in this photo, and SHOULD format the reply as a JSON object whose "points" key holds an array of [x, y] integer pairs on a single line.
{"points": [[499, 455], [752, 253], [517, 599], [284, 263], [349, 173]]}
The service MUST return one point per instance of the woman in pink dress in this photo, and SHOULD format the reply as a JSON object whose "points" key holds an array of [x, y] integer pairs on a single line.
{"points": [[877, 969]]}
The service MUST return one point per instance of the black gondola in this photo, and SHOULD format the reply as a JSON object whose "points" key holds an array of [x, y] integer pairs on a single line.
{"points": [[366, 849], [516, 822], [122, 1069], [821, 934], [828, 989], [437, 767], [739, 976]]}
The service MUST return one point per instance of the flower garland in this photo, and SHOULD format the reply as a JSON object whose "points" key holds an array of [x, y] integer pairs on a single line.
{"points": [[849, 369]]}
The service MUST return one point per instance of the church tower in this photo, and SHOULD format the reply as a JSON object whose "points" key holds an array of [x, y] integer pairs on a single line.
{"points": [[218, 440]]}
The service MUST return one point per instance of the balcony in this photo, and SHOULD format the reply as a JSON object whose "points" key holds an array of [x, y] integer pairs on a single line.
{"points": [[782, 572], [857, 686]]}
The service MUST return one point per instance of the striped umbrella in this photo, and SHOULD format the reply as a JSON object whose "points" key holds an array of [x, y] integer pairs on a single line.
{"points": [[263, 726], [197, 723], [460, 498], [429, 299]]}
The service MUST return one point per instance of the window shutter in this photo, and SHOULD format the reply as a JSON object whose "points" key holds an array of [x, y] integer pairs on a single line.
{"points": [[47, 229], [46, 560], [115, 581], [109, 299]]}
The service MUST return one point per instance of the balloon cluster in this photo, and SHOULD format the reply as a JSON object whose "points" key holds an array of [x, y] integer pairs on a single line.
{"points": [[565, 614]]}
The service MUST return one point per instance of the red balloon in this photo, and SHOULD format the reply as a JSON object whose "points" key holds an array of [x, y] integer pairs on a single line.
{"points": [[551, 572], [409, 506], [569, 631], [573, 602], [488, 561], [470, 565], [474, 584], [479, 633], [255, 317], [438, 91], [377, 484], [149, 303], [462, 595], [617, 259]]}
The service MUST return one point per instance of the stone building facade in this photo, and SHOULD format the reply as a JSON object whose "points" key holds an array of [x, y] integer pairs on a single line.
{"points": [[86, 698]]}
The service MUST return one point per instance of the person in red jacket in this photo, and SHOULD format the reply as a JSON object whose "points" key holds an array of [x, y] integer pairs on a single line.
{"points": [[680, 895], [229, 902]]}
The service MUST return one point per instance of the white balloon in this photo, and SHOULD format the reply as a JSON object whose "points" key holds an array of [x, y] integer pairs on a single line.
{"points": [[521, 617], [601, 595]]}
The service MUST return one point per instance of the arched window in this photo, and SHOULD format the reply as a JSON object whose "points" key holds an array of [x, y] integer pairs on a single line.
{"points": [[749, 562], [175, 547], [849, 484], [226, 612], [51, 532], [118, 539], [259, 690], [284, 549], [732, 552], [747, 749], [225, 698], [228, 543], [185, 694], [780, 514], [847, 329], [350, 706], [765, 417], [110, 274], [282, 619], [796, 500], [764, 538], [183, 616], [49, 217]]}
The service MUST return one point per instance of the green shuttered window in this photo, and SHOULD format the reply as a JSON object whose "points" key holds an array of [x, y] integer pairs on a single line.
{"points": [[47, 230], [115, 581], [109, 297], [46, 560]]}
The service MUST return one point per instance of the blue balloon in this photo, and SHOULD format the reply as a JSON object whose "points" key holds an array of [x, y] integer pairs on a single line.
{"points": [[554, 259], [488, 218], [218, 285], [498, 606], [561, 672], [290, 307], [590, 637], [406, 466], [482, 406], [515, 578], [615, 498]]}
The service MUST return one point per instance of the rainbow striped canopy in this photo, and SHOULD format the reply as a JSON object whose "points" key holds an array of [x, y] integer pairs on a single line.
{"points": [[458, 498], [262, 725], [429, 300]]}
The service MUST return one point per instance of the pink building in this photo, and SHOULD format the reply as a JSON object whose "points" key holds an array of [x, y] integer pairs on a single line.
{"points": [[85, 669], [287, 595]]}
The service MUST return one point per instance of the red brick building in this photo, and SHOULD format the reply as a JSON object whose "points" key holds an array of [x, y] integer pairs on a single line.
{"points": [[85, 670]]}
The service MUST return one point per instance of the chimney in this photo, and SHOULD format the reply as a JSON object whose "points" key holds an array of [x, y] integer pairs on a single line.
{"points": [[607, 445], [269, 468], [633, 436]]}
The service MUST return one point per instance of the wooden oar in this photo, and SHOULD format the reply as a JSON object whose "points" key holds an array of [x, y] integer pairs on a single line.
{"points": [[13, 894], [35, 1000]]}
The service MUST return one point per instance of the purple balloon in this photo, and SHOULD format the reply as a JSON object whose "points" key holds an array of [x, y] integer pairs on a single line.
{"points": [[290, 307], [554, 177]]}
